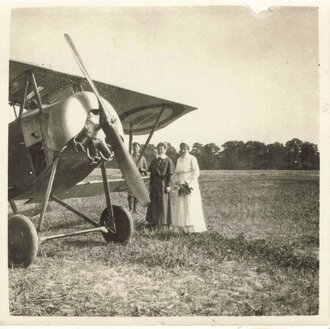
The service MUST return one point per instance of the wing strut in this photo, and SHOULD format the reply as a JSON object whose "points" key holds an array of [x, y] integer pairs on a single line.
{"points": [[36, 91], [130, 143], [30, 79], [13, 206], [48, 193], [24, 95], [151, 132], [107, 190]]}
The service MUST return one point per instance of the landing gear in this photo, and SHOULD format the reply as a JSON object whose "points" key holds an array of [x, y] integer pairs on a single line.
{"points": [[116, 225], [22, 241], [122, 229], [116, 219]]}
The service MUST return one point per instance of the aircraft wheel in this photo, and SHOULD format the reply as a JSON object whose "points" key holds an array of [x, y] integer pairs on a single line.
{"points": [[22, 241], [123, 223]]}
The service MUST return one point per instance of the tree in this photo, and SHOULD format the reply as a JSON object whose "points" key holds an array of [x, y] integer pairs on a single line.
{"points": [[231, 155], [198, 151], [275, 156], [310, 156], [293, 154], [254, 155], [211, 156], [172, 153]]}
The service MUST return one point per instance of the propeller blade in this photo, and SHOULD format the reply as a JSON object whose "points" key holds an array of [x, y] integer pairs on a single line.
{"points": [[81, 65], [127, 165], [85, 72], [125, 161]]}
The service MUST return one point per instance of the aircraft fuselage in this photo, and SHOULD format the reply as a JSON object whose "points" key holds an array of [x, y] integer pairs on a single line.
{"points": [[36, 138]]}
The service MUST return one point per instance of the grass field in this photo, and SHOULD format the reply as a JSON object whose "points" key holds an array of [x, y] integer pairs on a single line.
{"points": [[260, 256]]}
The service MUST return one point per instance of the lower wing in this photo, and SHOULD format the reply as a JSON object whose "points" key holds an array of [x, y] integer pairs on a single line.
{"points": [[87, 189]]}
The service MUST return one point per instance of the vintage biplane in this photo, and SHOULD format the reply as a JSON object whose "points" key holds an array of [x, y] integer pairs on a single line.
{"points": [[65, 127]]}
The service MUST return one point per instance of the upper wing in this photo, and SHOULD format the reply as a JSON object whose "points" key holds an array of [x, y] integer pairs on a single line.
{"points": [[87, 189], [137, 111]]}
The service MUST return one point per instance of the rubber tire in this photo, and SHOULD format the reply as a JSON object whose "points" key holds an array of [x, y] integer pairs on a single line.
{"points": [[123, 222], [22, 241]]}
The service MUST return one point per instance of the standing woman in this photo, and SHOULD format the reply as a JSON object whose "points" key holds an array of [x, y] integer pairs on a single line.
{"points": [[161, 171], [189, 211]]}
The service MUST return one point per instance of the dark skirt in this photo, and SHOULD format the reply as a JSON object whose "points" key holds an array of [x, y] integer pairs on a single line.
{"points": [[159, 210]]}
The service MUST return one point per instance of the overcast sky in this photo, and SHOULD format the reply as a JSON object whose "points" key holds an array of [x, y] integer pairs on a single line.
{"points": [[251, 77]]}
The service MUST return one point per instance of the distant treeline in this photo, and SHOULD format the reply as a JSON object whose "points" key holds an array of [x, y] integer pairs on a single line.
{"points": [[294, 154]]}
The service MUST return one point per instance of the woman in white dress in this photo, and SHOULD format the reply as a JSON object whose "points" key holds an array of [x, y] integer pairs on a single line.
{"points": [[189, 211]]}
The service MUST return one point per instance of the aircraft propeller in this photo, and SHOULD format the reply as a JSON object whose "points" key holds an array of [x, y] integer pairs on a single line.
{"points": [[125, 161]]}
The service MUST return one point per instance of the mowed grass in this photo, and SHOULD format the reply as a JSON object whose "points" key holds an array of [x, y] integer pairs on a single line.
{"points": [[258, 257]]}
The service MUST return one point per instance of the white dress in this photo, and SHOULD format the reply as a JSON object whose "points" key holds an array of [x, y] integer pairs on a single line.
{"points": [[189, 211]]}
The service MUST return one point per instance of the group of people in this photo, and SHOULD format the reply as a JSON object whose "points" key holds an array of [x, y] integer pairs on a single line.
{"points": [[164, 178]]}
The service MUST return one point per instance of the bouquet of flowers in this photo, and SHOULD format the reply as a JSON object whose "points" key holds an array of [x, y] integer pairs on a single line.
{"points": [[184, 189]]}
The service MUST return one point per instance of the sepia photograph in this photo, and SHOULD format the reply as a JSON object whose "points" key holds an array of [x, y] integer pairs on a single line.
{"points": [[163, 163]]}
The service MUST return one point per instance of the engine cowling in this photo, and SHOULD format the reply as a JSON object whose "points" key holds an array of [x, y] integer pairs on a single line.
{"points": [[77, 117]]}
